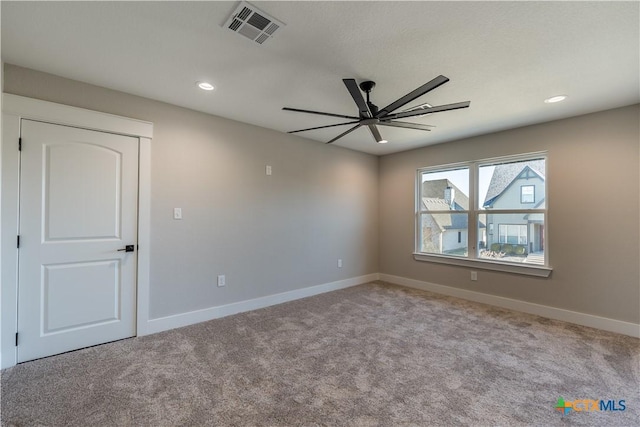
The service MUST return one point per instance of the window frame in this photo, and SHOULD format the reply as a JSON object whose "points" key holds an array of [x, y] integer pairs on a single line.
{"points": [[445, 168], [474, 212], [522, 194]]}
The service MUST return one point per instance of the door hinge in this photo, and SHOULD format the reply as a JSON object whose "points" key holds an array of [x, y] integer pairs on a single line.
{"points": [[18, 246], [16, 339], [19, 144]]}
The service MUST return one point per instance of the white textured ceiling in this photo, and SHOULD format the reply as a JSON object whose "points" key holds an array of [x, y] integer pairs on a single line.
{"points": [[504, 57]]}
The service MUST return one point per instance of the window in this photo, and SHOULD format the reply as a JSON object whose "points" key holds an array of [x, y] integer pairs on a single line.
{"points": [[513, 233], [489, 211], [527, 194], [443, 217]]}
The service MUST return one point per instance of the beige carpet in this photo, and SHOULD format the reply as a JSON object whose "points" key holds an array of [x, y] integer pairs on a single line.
{"points": [[374, 354]]}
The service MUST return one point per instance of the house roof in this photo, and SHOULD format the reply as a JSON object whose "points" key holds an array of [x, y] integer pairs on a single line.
{"points": [[445, 221], [503, 176], [435, 190], [433, 200]]}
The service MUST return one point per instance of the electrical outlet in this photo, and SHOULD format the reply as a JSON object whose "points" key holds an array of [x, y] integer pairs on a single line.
{"points": [[339, 263], [268, 170], [221, 280], [474, 275], [177, 213]]}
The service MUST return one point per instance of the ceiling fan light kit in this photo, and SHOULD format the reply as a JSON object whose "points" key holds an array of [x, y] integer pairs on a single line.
{"points": [[371, 116], [205, 86], [554, 99]]}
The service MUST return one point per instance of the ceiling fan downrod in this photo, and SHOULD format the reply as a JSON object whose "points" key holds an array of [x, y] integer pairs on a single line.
{"points": [[367, 87]]}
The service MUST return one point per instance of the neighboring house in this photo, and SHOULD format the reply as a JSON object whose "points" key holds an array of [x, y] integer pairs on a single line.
{"points": [[444, 232], [516, 186]]}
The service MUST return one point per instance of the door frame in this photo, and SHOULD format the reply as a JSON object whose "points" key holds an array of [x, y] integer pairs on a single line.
{"points": [[14, 109]]}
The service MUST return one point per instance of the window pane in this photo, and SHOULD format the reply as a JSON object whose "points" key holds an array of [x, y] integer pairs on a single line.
{"points": [[512, 186], [527, 194], [448, 190], [503, 234], [444, 233], [523, 243], [484, 233]]}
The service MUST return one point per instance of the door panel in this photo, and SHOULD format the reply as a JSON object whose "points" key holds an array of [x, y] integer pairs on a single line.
{"points": [[79, 295], [78, 207], [73, 172]]}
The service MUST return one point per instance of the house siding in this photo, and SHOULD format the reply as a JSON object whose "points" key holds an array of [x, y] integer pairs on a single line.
{"points": [[510, 199]]}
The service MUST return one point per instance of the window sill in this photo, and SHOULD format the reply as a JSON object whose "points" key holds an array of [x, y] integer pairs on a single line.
{"points": [[526, 270]]}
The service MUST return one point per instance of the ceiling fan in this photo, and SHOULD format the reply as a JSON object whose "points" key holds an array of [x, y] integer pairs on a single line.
{"points": [[370, 115]]}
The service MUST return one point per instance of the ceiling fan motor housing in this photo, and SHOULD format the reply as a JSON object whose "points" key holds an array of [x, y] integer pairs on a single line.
{"points": [[367, 86], [373, 108]]}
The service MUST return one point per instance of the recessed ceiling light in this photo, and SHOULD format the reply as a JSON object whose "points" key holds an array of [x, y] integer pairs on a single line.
{"points": [[382, 141], [205, 86], [555, 99]]}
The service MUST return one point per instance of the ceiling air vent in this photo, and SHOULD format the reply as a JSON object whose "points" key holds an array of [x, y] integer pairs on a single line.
{"points": [[252, 23]]}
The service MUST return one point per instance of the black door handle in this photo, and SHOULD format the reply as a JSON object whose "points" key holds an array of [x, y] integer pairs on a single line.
{"points": [[128, 248]]}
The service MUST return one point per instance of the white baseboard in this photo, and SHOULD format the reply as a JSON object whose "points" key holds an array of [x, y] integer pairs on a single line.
{"points": [[192, 317], [606, 324]]}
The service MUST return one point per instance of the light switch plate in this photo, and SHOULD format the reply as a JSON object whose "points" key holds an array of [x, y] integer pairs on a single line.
{"points": [[177, 213]]}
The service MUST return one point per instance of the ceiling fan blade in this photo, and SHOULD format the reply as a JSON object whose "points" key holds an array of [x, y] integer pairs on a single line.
{"points": [[321, 113], [407, 125], [354, 90], [417, 93], [375, 132], [344, 133], [421, 112], [322, 127]]}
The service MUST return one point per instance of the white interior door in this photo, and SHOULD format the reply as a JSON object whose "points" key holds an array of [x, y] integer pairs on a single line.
{"points": [[78, 209]]}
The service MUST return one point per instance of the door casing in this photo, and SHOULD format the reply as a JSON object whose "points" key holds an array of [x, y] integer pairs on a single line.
{"points": [[15, 108]]}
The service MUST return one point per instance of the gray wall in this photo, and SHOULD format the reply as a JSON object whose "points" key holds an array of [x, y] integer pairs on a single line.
{"points": [[279, 233], [268, 234], [593, 220]]}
